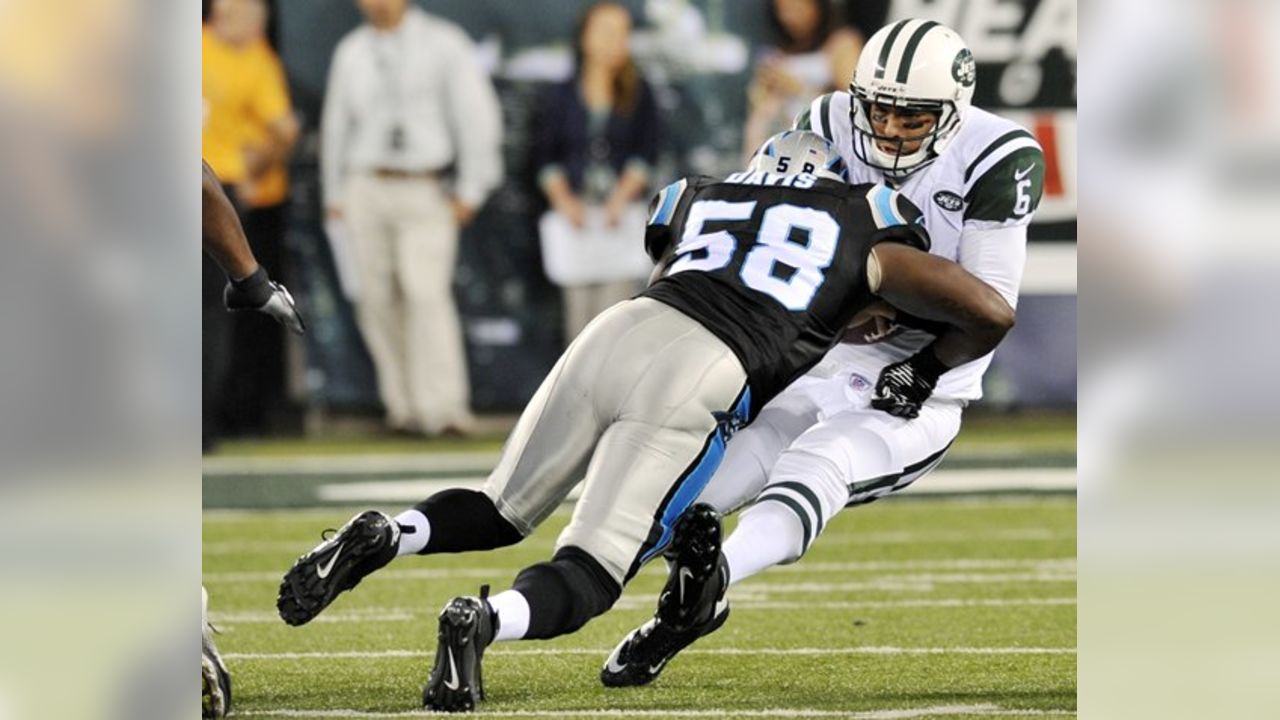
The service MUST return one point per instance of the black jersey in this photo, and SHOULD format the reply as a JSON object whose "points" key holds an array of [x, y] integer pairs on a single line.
{"points": [[775, 266]]}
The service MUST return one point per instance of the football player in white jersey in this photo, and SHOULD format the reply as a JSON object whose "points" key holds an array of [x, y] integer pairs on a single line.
{"points": [[877, 413]]}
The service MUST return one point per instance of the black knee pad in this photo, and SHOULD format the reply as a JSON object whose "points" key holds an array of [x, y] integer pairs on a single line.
{"points": [[463, 520], [565, 593]]}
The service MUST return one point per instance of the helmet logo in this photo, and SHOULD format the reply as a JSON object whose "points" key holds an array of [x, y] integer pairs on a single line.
{"points": [[948, 200], [964, 70]]}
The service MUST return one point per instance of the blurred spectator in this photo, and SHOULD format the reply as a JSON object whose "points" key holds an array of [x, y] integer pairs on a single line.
{"points": [[249, 130], [812, 55], [406, 100], [597, 147]]}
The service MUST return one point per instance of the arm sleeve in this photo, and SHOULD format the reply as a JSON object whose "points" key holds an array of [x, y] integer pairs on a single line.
{"points": [[334, 128], [476, 119], [997, 257]]}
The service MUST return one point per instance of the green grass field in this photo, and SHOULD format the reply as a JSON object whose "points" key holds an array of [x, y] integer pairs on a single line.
{"points": [[907, 608]]}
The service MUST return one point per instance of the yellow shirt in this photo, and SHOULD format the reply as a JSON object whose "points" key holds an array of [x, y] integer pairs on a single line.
{"points": [[244, 92]]}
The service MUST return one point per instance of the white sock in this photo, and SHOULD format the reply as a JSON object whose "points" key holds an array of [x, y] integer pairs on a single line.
{"points": [[513, 615], [768, 534], [412, 542]]}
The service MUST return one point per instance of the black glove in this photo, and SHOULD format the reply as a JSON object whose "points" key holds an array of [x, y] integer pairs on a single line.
{"points": [[905, 385], [258, 292]]}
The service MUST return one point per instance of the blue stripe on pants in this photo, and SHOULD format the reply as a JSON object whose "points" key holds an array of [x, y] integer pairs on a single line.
{"points": [[696, 480]]}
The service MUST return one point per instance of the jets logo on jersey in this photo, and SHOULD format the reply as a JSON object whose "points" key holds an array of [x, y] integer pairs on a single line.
{"points": [[948, 200], [964, 69]]}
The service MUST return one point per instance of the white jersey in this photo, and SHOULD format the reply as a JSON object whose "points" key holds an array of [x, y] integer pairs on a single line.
{"points": [[977, 197]]}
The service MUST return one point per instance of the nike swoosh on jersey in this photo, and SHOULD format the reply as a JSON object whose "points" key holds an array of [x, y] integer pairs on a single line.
{"points": [[1018, 175], [452, 682], [324, 570]]}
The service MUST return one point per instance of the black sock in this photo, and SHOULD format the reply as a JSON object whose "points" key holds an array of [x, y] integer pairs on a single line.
{"points": [[565, 593], [463, 520]]}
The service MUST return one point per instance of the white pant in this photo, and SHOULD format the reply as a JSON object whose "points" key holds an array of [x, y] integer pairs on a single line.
{"points": [[819, 447], [405, 243]]}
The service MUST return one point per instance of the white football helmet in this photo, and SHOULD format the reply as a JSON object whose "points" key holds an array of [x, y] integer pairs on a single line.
{"points": [[916, 65], [793, 152]]}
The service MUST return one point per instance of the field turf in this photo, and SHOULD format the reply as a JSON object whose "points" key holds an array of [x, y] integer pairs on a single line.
{"points": [[906, 608]]}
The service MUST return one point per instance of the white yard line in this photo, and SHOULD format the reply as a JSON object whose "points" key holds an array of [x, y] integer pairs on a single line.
{"points": [[912, 582], [602, 652], [404, 614], [915, 582], [906, 537], [355, 464], [885, 714], [1052, 565]]}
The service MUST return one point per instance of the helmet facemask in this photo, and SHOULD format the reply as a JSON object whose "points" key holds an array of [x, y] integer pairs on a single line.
{"points": [[897, 165]]}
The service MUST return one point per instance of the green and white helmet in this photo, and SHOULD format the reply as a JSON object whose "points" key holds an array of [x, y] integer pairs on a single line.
{"points": [[918, 66]]}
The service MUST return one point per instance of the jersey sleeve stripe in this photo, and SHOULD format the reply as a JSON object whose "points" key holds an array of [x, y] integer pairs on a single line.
{"points": [[817, 116], [882, 207], [883, 61], [827, 131], [982, 166], [1000, 142], [904, 66]]}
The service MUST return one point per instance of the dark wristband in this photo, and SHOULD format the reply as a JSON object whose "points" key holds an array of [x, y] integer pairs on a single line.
{"points": [[927, 364], [253, 291]]}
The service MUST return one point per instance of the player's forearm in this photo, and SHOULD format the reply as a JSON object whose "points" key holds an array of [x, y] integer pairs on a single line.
{"points": [[935, 289], [223, 237]]}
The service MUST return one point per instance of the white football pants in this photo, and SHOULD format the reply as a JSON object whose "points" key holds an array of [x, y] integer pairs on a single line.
{"points": [[819, 447]]}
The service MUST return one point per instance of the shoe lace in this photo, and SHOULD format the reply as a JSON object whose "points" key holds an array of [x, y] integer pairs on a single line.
{"points": [[328, 533]]}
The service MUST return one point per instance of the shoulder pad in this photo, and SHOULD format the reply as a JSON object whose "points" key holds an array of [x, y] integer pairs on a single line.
{"points": [[817, 117], [897, 217], [663, 205]]}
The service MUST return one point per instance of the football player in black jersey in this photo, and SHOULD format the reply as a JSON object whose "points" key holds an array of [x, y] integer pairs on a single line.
{"points": [[759, 274]]}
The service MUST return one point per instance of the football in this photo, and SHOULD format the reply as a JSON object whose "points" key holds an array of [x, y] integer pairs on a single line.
{"points": [[872, 331]]}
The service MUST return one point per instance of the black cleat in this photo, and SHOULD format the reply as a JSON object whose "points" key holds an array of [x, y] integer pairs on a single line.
{"points": [[367, 542], [467, 626], [691, 605]]}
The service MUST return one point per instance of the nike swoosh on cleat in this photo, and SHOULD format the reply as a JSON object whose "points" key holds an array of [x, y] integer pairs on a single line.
{"points": [[613, 666], [684, 573], [452, 682], [655, 669], [324, 570]]}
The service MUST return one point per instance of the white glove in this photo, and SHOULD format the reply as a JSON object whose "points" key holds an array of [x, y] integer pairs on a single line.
{"points": [[258, 292]]}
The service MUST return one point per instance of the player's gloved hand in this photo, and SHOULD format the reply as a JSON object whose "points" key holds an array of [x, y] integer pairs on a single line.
{"points": [[258, 292], [905, 385]]}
